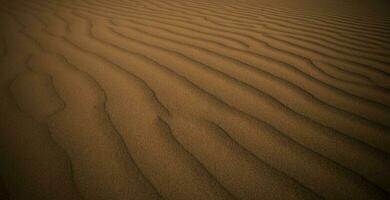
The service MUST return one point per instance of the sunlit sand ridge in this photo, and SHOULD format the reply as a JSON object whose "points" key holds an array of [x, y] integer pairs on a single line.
{"points": [[194, 99]]}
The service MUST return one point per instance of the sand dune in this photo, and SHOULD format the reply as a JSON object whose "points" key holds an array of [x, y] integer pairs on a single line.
{"points": [[209, 99]]}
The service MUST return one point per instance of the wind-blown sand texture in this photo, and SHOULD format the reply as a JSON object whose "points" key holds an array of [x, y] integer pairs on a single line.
{"points": [[194, 99]]}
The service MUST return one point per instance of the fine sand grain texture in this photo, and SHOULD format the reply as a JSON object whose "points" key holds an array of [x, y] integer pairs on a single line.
{"points": [[194, 99]]}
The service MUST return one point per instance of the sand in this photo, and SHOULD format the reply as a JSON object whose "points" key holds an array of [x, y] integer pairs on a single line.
{"points": [[194, 99]]}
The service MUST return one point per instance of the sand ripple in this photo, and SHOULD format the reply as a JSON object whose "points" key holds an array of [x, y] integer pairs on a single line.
{"points": [[209, 99]]}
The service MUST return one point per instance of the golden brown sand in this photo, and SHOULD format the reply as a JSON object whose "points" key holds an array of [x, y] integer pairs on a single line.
{"points": [[194, 99]]}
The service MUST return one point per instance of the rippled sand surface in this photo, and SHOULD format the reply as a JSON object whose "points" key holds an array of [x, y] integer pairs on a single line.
{"points": [[194, 99]]}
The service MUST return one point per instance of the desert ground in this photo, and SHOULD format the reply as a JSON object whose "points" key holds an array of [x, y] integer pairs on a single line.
{"points": [[194, 99]]}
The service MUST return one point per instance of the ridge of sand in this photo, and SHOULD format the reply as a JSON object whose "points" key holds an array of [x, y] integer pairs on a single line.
{"points": [[209, 99]]}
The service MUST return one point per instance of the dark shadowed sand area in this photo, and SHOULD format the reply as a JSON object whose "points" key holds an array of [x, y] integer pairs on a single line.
{"points": [[194, 99]]}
